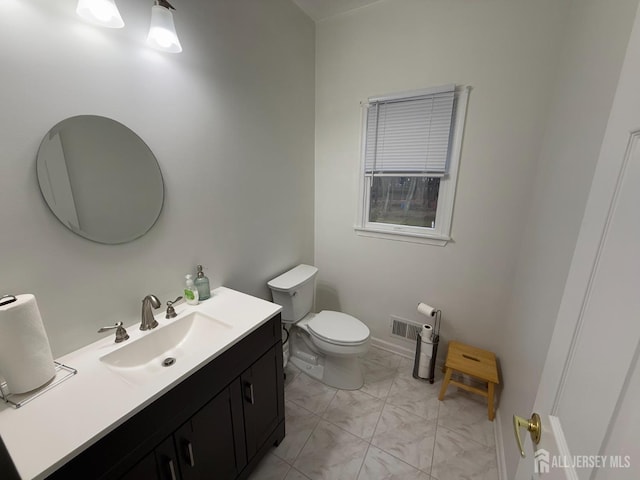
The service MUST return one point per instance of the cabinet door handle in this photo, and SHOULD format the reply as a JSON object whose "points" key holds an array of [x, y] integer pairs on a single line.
{"points": [[188, 450], [248, 387], [172, 469]]}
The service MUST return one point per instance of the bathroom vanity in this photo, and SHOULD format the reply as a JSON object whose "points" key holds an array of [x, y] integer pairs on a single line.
{"points": [[213, 415]]}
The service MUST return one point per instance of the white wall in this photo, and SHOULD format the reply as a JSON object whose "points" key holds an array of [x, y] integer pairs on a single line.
{"points": [[230, 121], [543, 77], [507, 51], [596, 38]]}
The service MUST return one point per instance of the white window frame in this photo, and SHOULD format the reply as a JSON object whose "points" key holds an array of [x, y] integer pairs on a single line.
{"points": [[440, 234]]}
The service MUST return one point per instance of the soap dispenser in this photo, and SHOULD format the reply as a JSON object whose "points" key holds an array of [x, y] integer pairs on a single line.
{"points": [[202, 284], [190, 291]]}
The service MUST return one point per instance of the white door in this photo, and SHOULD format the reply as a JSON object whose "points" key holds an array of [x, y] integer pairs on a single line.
{"points": [[591, 378]]}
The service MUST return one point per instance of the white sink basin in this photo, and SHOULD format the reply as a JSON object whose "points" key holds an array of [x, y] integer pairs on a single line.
{"points": [[189, 340]]}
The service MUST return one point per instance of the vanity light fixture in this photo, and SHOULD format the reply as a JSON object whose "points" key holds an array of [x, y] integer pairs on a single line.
{"points": [[100, 12], [162, 32]]}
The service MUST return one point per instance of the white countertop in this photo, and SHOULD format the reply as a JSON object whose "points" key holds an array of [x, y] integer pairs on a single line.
{"points": [[44, 434]]}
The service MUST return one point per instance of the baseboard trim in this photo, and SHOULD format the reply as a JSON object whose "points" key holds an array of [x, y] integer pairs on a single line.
{"points": [[405, 352], [500, 457], [393, 348]]}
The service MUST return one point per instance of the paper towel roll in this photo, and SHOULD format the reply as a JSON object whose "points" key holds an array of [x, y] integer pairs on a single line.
{"points": [[427, 310], [26, 361]]}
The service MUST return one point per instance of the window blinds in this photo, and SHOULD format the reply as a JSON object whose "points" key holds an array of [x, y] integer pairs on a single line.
{"points": [[409, 135]]}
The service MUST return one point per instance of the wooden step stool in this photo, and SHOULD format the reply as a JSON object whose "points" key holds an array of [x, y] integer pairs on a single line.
{"points": [[472, 361]]}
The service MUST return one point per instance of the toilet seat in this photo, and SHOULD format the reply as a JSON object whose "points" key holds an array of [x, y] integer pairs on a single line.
{"points": [[338, 328]]}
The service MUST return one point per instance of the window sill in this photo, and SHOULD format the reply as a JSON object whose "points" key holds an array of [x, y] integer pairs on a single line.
{"points": [[399, 236]]}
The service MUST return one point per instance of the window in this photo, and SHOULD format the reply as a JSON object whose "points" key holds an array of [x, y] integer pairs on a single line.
{"points": [[410, 154]]}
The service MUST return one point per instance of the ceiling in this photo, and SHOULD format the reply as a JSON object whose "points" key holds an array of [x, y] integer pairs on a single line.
{"points": [[321, 9]]}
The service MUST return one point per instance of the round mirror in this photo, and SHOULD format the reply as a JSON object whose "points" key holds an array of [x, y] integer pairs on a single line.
{"points": [[100, 179]]}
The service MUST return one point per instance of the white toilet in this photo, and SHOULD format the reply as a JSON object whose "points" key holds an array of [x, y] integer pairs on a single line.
{"points": [[324, 345]]}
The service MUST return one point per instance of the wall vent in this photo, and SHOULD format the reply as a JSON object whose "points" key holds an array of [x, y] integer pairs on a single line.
{"points": [[403, 328]]}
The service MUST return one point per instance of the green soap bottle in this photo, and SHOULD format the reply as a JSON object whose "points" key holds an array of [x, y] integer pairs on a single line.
{"points": [[202, 284], [190, 291]]}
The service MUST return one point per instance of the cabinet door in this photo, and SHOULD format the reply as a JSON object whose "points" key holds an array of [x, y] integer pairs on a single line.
{"points": [[145, 469], [210, 445], [167, 461], [263, 400]]}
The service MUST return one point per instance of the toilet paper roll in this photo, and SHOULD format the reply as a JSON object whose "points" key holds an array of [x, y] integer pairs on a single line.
{"points": [[423, 367], [426, 351], [26, 361], [426, 310], [426, 348], [427, 332]]}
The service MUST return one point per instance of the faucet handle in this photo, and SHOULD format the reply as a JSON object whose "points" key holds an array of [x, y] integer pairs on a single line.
{"points": [[121, 333], [171, 312]]}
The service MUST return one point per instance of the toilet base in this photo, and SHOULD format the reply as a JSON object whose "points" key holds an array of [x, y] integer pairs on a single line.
{"points": [[343, 373], [313, 370], [337, 372]]}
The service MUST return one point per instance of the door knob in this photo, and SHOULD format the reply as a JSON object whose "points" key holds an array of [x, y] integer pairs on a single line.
{"points": [[533, 427]]}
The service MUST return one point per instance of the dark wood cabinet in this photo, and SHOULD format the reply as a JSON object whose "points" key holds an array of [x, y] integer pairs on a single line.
{"points": [[212, 440], [217, 423], [262, 402], [146, 469], [167, 460], [160, 464]]}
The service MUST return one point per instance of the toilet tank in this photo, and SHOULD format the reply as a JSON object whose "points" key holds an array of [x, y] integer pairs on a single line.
{"points": [[293, 291]]}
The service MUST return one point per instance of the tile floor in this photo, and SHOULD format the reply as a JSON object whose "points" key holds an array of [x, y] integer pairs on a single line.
{"points": [[393, 428]]}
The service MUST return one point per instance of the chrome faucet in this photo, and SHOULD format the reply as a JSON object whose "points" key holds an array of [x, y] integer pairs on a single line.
{"points": [[148, 322]]}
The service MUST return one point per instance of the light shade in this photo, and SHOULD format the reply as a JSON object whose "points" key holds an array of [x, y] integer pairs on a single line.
{"points": [[100, 12], [162, 33]]}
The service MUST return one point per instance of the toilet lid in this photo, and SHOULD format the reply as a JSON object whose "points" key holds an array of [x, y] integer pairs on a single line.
{"points": [[338, 328]]}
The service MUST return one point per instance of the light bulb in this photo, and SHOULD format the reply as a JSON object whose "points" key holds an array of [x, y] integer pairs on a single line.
{"points": [[100, 12], [162, 32]]}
